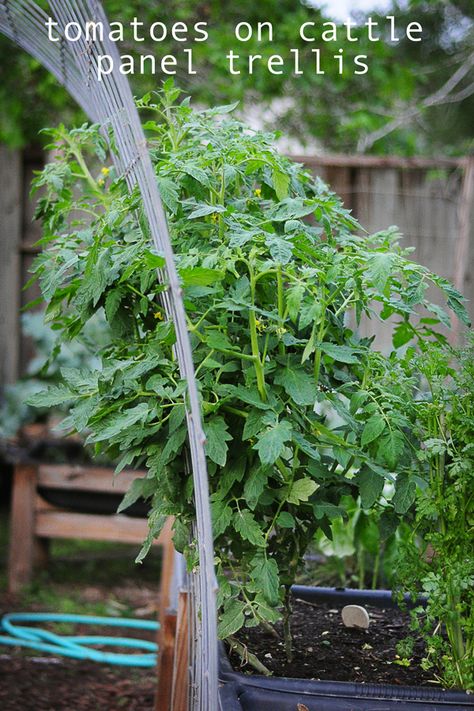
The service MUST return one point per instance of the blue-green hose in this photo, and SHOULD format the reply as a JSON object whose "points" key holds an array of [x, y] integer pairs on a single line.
{"points": [[76, 647]]}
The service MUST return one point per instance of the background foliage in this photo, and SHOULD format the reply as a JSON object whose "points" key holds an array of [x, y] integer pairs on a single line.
{"points": [[330, 109]]}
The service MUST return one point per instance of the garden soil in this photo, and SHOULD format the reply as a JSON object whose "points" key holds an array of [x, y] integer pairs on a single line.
{"points": [[325, 649]]}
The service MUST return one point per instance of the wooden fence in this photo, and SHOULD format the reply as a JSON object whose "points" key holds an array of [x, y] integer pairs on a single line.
{"points": [[431, 201]]}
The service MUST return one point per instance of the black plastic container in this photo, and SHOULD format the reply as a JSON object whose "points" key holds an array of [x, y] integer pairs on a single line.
{"points": [[240, 692]]}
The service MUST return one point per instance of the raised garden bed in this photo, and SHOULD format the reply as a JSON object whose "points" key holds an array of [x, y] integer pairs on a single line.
{"points": [[252, 692]]}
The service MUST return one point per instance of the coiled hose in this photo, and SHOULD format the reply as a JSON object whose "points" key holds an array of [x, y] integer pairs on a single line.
{"points": [[77, 647]]}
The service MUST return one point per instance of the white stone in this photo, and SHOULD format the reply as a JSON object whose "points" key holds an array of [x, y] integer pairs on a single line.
{"points": [[355, 616]]}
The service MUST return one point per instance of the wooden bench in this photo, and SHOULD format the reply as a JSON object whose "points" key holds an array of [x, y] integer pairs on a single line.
{"points": [[34, 521]]}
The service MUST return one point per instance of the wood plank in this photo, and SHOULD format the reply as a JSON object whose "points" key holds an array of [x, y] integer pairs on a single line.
{"points": [[22, 527], [90, 527], [461, 253], [179, 700], [10, 238], [166, 660], [64, 476], [363, 161]]}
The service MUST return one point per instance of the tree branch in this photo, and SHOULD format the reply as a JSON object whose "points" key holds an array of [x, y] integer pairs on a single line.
{"points": [[443, 95]]}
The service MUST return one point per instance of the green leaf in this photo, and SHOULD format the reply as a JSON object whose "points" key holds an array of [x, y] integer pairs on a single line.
{"points": [[373, 428], [55, 395], [298, 384], [271, 443], [285, 520], [379, 268], [246, 525], [156, 521], [112, 303], [391, 448], [169, 194], [281, 183], [200, 276], [254, 486], [265, 572], [310, 313], [221, 517], [195, 172], [205, 210], [217, 436], [301, 490], [232, 619], [341, 354], [294, 295], [253, 424], [152, 260], [280, 249], [405, 493], [370, 487], [141, 488], [115, 424]]}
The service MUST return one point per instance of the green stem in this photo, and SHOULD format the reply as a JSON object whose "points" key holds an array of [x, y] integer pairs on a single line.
{"points": [[258, 365], [247, 657]]}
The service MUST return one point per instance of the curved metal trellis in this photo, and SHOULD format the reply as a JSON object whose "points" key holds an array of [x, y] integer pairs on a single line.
{"points": [[110, 103]]}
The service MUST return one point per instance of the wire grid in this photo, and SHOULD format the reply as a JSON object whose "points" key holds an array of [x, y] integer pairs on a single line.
{"points": [[110, 103]]}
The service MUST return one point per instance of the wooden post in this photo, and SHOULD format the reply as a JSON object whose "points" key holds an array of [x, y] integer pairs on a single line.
{"points": [[10, 237], [22, 528], [461, 253], [179, 701], [167, 620]]}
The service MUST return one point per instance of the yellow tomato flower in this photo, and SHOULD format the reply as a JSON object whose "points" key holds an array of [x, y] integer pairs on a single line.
{"points": [[101, 182], [258, 192], [214, 217], [105, 171], [158, 315], [260, 325]]}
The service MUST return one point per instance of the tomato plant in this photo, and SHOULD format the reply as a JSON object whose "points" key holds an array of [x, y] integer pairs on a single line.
{"points": [[299, 410]]}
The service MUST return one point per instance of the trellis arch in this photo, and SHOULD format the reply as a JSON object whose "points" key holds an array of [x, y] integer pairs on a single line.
{"points": [[110, 103]]}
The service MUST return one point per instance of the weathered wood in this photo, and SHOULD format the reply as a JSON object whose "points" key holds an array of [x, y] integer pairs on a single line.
{"points": [[363, 161], [179, 700], [166, 647], [90, 527], [64, 476], [22, 528], [461, 253], [165, 659], [33, 160], [10, 287]]}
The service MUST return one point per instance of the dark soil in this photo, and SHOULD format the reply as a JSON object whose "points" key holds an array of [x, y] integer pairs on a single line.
{"points": [[325, 649], [39, 683]]}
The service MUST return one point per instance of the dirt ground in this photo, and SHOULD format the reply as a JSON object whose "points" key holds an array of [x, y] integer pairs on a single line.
{"points": [[94, 579]]}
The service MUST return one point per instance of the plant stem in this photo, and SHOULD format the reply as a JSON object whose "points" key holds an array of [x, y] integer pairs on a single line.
{"points": [[288, 640], [247, 657]]}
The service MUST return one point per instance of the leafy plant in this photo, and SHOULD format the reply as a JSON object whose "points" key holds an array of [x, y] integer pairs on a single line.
{"points": [[298, 410], [362, 547], [45, 368], [440, 560]]}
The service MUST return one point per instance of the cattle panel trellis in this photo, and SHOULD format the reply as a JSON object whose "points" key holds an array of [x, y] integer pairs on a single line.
{"points": [[110, 103]]}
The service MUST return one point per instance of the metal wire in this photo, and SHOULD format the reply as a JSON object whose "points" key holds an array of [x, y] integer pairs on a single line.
{"points": [[110, 103]]}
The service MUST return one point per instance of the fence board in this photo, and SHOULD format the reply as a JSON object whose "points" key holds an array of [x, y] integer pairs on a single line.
{"points": [[424, 198], [10, 230]]}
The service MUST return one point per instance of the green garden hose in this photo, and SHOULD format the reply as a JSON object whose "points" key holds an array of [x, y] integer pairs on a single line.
{"points": [[77, 647]]}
